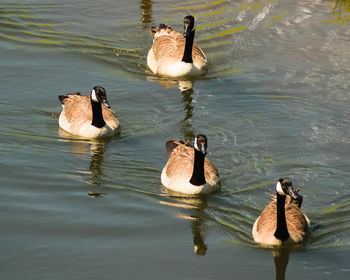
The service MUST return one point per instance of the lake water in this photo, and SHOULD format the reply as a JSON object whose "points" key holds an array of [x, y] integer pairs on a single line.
{"points": [[275, 103]]}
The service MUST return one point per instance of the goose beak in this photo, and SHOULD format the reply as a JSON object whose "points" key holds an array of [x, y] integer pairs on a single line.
{"points": [[291, 192], [188, 25], [187, 30], [105, 102], [204, 149]]}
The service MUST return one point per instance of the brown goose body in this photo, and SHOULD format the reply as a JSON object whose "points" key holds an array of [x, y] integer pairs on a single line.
{"points": [[77, 115], [166, 56], [297, 224], [177, 173]]}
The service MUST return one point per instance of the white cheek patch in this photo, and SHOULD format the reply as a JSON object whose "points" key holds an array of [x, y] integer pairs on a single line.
{"points": [[93, 96], [195, 144], [279, 189]]}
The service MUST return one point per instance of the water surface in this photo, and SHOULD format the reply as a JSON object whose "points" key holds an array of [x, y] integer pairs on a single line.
{"points": [[275, 103]]}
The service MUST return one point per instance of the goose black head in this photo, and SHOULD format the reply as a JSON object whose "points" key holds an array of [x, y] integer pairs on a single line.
{"points": [[188, 25], [284, 186], [201, 143], [98, 94]]}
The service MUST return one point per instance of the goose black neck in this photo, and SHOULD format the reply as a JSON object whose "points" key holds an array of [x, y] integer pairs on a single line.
{"points": [[97, 118], [281, 232], [198, 178], [188, 48]]}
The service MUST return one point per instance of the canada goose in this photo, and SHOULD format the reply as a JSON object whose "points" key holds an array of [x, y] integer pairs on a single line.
{"points": [[282, 221], [175, 55], [187, 170], [85, 116]]}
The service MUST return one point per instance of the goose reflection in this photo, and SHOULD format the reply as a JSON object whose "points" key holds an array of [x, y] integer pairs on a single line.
{"points": [[96, 147], [200, 248], [194, 211], [186, 125], [146, 13], [186, 88], [182, 85], [281, 258], [340, 8]]}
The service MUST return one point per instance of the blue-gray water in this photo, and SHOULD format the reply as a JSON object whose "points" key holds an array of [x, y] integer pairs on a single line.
{"points": [[275, 103]]}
